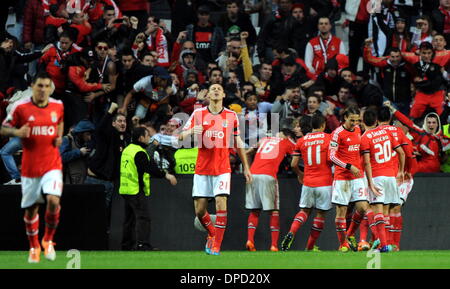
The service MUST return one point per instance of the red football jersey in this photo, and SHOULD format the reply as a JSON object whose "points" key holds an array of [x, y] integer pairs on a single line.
{"points": [[345, 149], [313, 148], [39, 152], [380, 145], [410, 158], [217, 138], [270, 154], [400, 137]]}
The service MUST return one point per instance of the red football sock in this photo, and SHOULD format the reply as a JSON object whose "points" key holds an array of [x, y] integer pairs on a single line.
{"points": [[348, 218], [396, 221], [356, 220], [275, 227], [206, 222], [221, 224], [388, 228], [316, 229], [32, 230], [299, 220], [373, 229], [363, 229], [51, 223], [341, 225], [252, 223], [381, 230]]}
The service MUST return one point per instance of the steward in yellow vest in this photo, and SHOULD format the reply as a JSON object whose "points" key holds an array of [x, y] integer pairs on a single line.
{"points": [[135, 169]]}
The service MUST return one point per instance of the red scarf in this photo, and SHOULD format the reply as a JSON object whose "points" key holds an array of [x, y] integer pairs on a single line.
{"points": [[446, 19], [159, 44]]}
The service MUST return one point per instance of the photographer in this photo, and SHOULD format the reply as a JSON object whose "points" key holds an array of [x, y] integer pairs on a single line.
{"points": [[75, 149]]}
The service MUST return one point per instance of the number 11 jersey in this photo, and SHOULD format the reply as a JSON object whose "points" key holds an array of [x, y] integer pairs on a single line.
{"points": [[313, 148]]}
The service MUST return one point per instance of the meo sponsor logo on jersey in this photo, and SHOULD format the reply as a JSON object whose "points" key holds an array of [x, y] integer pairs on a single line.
{"points": [[43, 130], [214, 133], [353, 148]]}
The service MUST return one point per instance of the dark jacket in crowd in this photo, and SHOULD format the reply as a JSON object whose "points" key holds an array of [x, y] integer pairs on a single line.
{"points": [[396, 83], [433, 80], [13, 68], [105, 163], [215, 46]]}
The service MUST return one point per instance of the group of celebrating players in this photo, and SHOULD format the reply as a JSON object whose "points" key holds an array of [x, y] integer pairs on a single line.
{"points": [[347, 168], [366, 166]]}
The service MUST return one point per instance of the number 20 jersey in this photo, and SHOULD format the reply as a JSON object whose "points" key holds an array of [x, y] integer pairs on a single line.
{"points": [[380, 144], [313, 148]]}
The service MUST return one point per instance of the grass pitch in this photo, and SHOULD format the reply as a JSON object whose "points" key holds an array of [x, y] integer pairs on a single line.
{"points": [[231, 260]]}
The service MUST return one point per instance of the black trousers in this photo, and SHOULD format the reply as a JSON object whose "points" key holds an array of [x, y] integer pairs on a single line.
{"points": [[136, 226], [356, 35]]}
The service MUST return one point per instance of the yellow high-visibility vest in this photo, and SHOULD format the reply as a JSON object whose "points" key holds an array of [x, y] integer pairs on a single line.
{"points": [[129, 182]]}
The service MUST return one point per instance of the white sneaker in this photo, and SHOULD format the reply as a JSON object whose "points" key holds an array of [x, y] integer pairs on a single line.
{"points": [[12, 182]]}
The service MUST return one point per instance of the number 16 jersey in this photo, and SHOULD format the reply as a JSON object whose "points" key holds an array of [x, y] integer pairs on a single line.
{"points": [[313, 148]]}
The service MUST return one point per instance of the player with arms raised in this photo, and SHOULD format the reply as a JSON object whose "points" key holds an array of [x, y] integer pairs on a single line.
{"points": [[316, 179], [218, 130], [377, 147], [263, 192], [39, 122]]}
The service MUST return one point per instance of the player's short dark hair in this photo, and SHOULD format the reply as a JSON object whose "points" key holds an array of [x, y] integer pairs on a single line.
{"points": [[137, 132], [305, 124], [317, 120], [351, 110], [288, 132], [41, 75], [384, 114], [370, 117]]}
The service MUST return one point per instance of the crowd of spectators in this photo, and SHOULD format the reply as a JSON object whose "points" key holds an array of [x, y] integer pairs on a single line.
{"points": [[115, 65]]}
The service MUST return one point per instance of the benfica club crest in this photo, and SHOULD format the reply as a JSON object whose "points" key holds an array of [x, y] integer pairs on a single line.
{"points": [[54, 116]]}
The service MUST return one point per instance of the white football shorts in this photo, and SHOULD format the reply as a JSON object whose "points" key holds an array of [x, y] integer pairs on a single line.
{"points": [[262, 193], [388, 188], [51, 183], [318, 197], [211, 186], [347, 191]]}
